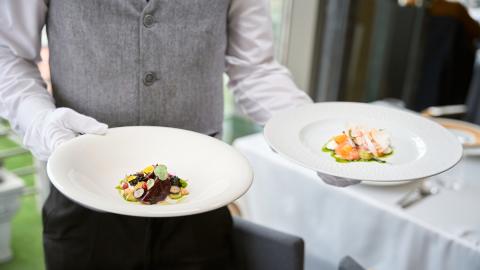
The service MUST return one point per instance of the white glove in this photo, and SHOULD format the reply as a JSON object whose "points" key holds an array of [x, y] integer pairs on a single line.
{"points": [[333, 180], [52, 127], [337, 181]]}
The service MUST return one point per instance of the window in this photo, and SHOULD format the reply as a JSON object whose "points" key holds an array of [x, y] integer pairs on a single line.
{"points": [[236, 124]]}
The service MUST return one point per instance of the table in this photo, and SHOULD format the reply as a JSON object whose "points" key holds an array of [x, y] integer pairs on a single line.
{"points": [[440, 232]]}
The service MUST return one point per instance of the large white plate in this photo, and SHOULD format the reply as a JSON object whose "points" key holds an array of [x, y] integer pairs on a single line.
{"points": [[422, 147], [87, 169]]}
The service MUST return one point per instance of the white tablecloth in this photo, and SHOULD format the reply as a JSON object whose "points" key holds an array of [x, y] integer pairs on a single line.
{"points": [[440, 232]]}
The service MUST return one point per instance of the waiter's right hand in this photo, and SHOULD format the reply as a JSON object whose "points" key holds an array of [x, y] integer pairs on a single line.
{"points": [[54, 127]]}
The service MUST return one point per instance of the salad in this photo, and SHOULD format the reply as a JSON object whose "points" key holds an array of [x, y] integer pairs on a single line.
{"points": [[152, 185], [358, 143]]}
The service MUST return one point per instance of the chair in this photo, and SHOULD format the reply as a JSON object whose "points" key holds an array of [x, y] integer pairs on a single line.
{"points": [[348, 263], [260, 248]]}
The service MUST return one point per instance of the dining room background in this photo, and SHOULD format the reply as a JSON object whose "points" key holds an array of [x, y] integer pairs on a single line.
{"points": [[419, 55]]}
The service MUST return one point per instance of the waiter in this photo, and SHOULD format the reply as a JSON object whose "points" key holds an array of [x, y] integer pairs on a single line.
{"points": [[127, 63]]}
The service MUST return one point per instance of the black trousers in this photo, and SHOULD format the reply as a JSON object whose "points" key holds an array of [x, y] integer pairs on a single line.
{"points": [[75, 237]]}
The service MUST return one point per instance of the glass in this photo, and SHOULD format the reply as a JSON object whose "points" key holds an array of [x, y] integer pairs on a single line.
{"points": [[280, 12]]}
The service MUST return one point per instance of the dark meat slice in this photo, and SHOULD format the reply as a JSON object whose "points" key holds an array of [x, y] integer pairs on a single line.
{"points": [[150, 176], [157, 193]]}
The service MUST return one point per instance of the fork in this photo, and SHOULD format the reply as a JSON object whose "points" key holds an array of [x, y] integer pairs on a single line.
{"points": [[426, 189]]}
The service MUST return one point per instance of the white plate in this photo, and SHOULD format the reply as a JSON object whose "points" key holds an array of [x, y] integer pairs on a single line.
{"points": [[87, 169], [422, 147], [467, 133], [385, 184]]}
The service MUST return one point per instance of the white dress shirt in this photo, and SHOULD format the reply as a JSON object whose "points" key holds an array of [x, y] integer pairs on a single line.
{"points": [[260, 85]]}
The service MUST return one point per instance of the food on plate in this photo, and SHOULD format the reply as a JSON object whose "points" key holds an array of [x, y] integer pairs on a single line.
{"points": [[152, 185], [358, 143]]}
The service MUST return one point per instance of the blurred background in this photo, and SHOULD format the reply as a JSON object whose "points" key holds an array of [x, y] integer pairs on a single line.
{"points": [[421, 55]]}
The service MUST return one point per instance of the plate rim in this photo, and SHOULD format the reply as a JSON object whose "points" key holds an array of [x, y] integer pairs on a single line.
{"points": [[267, 128], [115, 210]]}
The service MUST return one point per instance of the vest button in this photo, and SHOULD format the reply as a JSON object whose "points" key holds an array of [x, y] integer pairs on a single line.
{"points": [[149, 78], [148, 20]]}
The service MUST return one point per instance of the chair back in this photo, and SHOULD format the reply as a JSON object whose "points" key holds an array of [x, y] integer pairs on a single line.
{"points": [[260, 248]]}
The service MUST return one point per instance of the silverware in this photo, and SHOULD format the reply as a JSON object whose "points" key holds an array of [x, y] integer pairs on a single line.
{"points": [[426, 189]]}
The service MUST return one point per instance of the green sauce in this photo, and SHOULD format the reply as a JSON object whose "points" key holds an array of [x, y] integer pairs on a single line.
{"points": [[342, 160]]}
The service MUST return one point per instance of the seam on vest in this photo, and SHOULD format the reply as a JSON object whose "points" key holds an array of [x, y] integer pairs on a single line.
{"points": [[139, 64]]}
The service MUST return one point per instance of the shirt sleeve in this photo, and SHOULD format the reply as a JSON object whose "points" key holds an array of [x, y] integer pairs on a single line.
{"points": [[23, 92], [260, 85]]}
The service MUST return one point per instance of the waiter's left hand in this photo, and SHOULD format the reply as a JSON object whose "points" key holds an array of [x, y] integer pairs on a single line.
{"points": [[337, 181], [333, 180]]}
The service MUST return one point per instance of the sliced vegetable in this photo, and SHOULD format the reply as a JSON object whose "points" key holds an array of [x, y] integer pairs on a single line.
{"points": [[150, 183], [175, 196], [128, 195], [183, 183], [174, 189], [138, 193], [365, 155]]}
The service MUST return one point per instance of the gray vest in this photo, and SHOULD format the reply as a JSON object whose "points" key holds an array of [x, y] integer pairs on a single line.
{"points": [[132, 62]]}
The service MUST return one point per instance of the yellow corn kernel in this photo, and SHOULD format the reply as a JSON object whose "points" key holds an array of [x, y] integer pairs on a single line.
{"points": [[148, 169], [131, 177]]}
